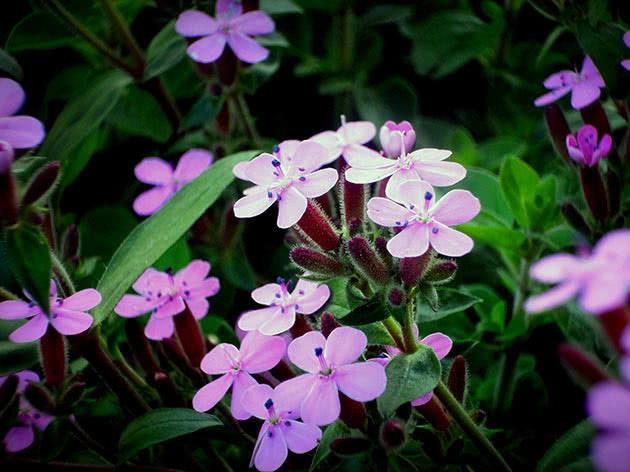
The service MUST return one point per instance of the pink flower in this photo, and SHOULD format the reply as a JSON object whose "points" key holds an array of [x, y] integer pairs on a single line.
{"points": [[155, 171], [22, 436], [16, 132], [347, 140], [585, 86], [422, 222], [601, 278], [288, 177], [280, 431], [393, 136], [330, 370], [586, 150], [66, 315], [231, 26], [258, 353], [306, 298], [166, 296], [626, 39]]}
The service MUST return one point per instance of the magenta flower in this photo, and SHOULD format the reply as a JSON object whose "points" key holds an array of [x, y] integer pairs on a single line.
{"points": [[330, 370], [347, 140], [585, 86], [586, 150], [166, 296], [286, 177], [155, 171], [22, 436], [279, 316], [16, 132], [66, 315], [258, 353], [279, 432], [601, 278], [231, 26], [393, 136], [626, 39], [422, 222]]}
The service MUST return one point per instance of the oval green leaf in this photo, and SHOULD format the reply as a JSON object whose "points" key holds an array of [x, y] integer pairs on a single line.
{"points": [[450, 301]]}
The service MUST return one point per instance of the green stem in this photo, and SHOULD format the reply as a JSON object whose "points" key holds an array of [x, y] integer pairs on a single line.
{"points": [[126, 369], [119, 24], [61, 272], [393, 328], [408, 331], [246, 118], [465, 422]]}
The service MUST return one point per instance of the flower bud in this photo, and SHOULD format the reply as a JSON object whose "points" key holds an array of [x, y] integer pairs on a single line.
{"points": [[300, 327], [431, 296], [366, 261], [53, 351], [431, 443], [140, 347], [583, 369], [318, 227], [72, 395], [396, 296], [324, 202], [42, 184], [595, 115], [559, 130], [282, 371], [316, 262], [174, 353], [441, 273], [393, 136], [352, 412], [434, 413], [352, 203], [393, 435], [413, 268], [39, 397], [457, 379], [329, 323], [224, 123], [614, 322], [380, 245], [167, 390], [250, 5], [227, 65], [8, 390], [594, 192], [575, 218], [6, 157], [70, 243], [350, 446], [189, 334]]}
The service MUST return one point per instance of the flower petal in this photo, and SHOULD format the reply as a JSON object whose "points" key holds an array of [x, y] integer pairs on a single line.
{"points": [[254, 398], [552, 298], [192, 274], [344, 345], [456, 207], [247, 49], [239, 170], [308, 155], [209, 395], [584, 93], [280, 322], [312, 298], [30, 331], [411, 193], [626, 64], [17, 309], [11, 97], [363, 381], [207, 49], [608, 405], [171, 308], [260, 353], [204, 289], [440, 343], [254, 203], [228, 9], [300, 437], [331, 142], [82, 300], [19, 438], [261, 170], [385, 212], [70, 322], [152, 200], [152, 282], [159, 328], [552, 96], [609, 451], [254, 319], [193, 23], [198, 307], [301, 351], [590, 73], [154, 171], [321, 406], [131, 306], [21, 131], [242, 382], [604, 292], [253, 23], [367, 176], [357, 132], [410, 242], [440, 174], [422, 400], [317, 183], [448, 241], [191, 164], [560, 79], [221, 359], [272, 451], [267, 294], [555, 268], [291, 207], [290, 394]]}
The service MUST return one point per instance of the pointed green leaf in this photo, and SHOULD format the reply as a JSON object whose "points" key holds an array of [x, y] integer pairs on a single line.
{"points": [[166, 50], [572, 446], [518, 182], [450, 301]]}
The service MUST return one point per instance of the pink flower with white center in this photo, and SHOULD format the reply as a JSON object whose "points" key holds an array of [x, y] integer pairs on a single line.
{"points": [[601, 279], [66, 314], [585, 86], [280, 431], [347, 140], [330, 371], [306, 298], [22, 436], [231, 26], [423, 222], [626, 39], [441, 345], [166, 295], [394, 136], [155, 171], [258, 353], [16, 132], [287, 177], [585, 149]]}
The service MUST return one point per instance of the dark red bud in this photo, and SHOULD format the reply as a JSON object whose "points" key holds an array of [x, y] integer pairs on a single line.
{"points": [[40, 398], [382, 185], [435, 414], [575, 218], [8, 202], [73, 394], [393, 435], [227, 65], [316, 262], [140, 347], [53, 351], [316, 225], [441, 273], [396, 296], [224, 123], [352, 412], [176, 355], [582, 367], [189, 334], [300, 327], [380, 245], [594, 192], [366, 261], [325, 202], [457, 379], [329, 323], [350, 446], [614, 322], [215, 89], [559, 130], [613, 184], [431, 443], [595, 115], [41, 184], [70, 243], [250, 5], [412, 268], [352, 203], [167, 390]]}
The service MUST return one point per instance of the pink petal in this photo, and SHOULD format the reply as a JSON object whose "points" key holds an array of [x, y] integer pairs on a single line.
{"points": [[609, 451], [626, 38], [574, 150], [70, 322], [584, 93], [587, 139], [260, 353], [280, 322], [385, 212], [170, 308], [267, 294], [193, 23], [357, 132], [440, 174], [411, 193], [287, 149], [440, 343], [151, 282], [16, 309], [560, 79], [192, 274], [159, 328], [254, 399], [30, 331], [398, 178], [207, 49], [247, 49], [302, 351], [330, 141], [312, 299], [41, 420], [291, 207], [198, 307], [52, 290], [614, 245], [552, 96], [152, 200], [254, 319], [590, 73], [626, 64], [456, 207], [242, 382], [21, 131], [272, 451], [422, 400], [228, 9], [131, 306], [317, 183], [11, 97], [82, 300], [308, 155], [191, 164], [602, 149], [608, 405], [24, 377], [321, 406], [300, 437], [290, 394], [448, 241], [363, 381], [154, 171], [209, 395], [552, 298], [410, 242], [555, 268], [604, 292], [220, 360], [19, 438], [206, 288], [260, 170], [344, 346], [253, 23], [254, 203], [367, 176], [363, 157], [239, 170]]}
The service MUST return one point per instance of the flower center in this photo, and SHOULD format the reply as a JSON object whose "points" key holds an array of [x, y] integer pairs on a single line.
{"points": [[273, 416], [324, 368]]}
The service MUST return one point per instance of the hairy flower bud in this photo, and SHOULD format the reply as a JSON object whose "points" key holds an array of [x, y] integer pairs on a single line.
{"points": [[441, 272], [39, 397], [328, 323], [8, 202], [352, 203], [300, 327], [70, 243], [393, 435], [595, 115], [53, 351], [434, 413], [190, 336], [167, 390], [413, 268], [396, 296], [613, 185], [583, 368], [316, 262], [42, 184], [73, 394], [614, 322], [140, 347], [559, 130], [352, 412], [366, 261], [457, 379], [380, 245], [575, 218], [318, 227], [594, 192]]}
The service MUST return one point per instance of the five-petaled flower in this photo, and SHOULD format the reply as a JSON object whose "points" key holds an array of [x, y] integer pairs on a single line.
{"points": [[585, 86], [280, 431], [330, 370], [397, 137], [347, 140], [423, 222], [166, 295], [66, 315], [306, 298], [155, 171], [231, 26], [258, 353], [586, 150]]}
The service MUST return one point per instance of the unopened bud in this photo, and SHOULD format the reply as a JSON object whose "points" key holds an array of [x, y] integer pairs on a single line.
{"points": [[53, 351], [380, 245], [613, 184], [329, 323], [595, 115], [316, 262], [318, 227], [227, 65], [441, 273], [614, 323], [393, 136], [584, 369], [324, 201], [282, 371], [73, 394], [435, 414], [393, 435], [189, 334], [8, 202], [366, 261], [594, 192], [350, 446], [70, 243], [140, 347], [224, 123], [431, 296], [300, 327], [559, 130], [457, 379], [352, 203], [431, 443], [396, 296], [352, 412], [42, 184], [413, 268], [250, 5], [174, 353], [6, 157], [39, 397], [167, 390], [575, 218]]}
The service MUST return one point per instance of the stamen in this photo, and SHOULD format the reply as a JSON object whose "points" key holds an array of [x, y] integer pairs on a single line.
{"points": [[269, 403], [276, 163], [278, 295], [435, 230], [318, 351], [276, 149], [301, 169], [428, 196], [302, 179], [280, 280], [169, 270], [269, 194]]}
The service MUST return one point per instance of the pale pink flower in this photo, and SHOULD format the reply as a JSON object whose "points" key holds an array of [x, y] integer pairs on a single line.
{"points": [[258, 353], [347, 140], [626, 39], [165, 295], [586, 150], [231, 26], [585, 86], [329, 363], [424, 223], [393, 136], [306, 298], [66, 314], [280, 431], [155, 171], [288, 177]]}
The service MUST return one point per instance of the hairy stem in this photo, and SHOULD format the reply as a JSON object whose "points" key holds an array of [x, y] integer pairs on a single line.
{"points": [[393, 328]]}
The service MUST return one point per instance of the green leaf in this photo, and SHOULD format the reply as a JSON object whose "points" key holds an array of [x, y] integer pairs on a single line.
{"points": [[36, 32], [377, 334], [219, 327], [374, 310], [486, 187], [99, 237], [333, 431], [167, 48], [9, 65], [409, 376], [149, 240], [83, 115], [161, 425], [450, 301], [138, 114], [518, 181], [204, 109], [29, 260], [572, 447], [15, 357], [495, 236], [72, 168], [540, 210], [279, 7]]}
